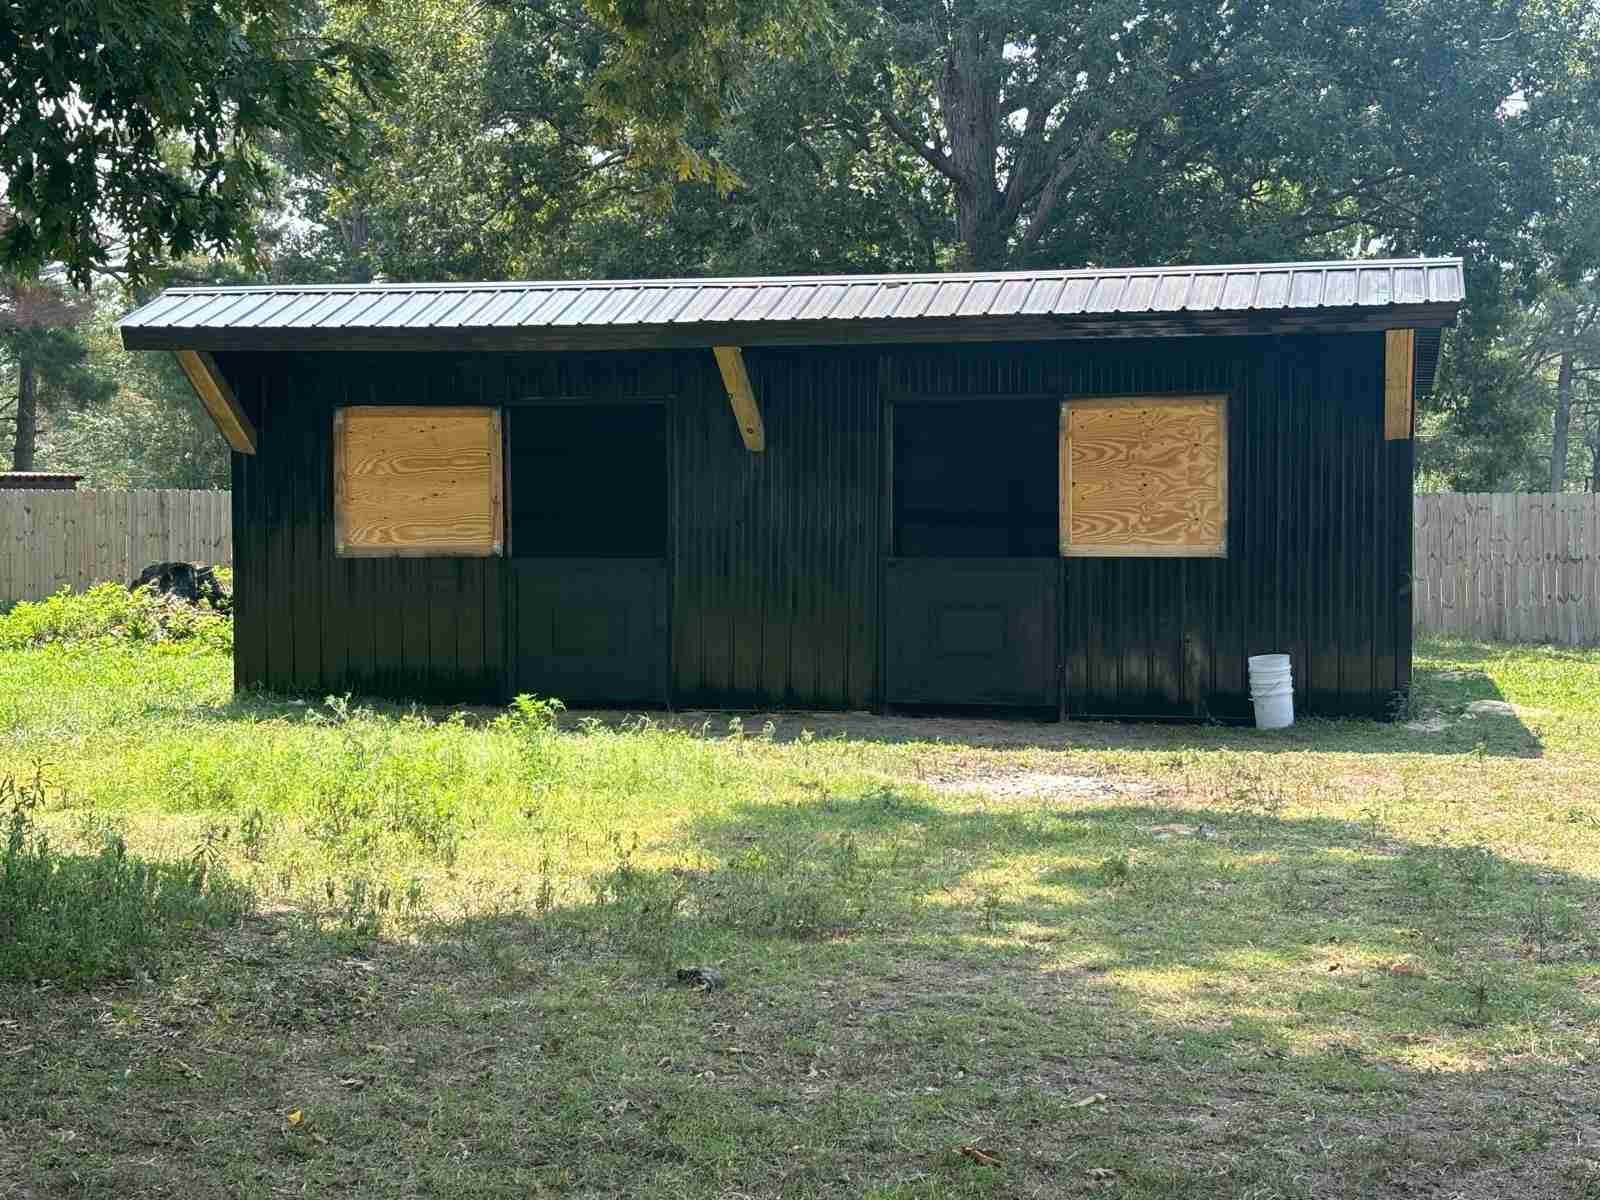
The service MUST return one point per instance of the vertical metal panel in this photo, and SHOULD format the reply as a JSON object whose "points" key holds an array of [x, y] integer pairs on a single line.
{"points": [[776, 559]]}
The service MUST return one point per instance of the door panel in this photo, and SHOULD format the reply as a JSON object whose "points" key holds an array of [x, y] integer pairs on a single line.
{"points": [[973, 631], [590, 630]]}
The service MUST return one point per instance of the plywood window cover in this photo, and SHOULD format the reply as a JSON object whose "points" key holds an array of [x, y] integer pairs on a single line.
{"points": [[1202, 534], [445, 500]]}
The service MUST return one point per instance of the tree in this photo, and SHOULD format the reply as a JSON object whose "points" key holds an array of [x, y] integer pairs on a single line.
{"points": [[132, 130], [150, 433], [42, 353]]}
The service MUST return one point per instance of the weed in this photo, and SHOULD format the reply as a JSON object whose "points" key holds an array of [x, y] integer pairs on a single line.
{"points": [[208, 850], [638, 907], [253, 834], [1479, 989], [990, 909], [111, 612], [1116, 871], [357, 909], [1473, 865], [1419, 872], [76, 919]]}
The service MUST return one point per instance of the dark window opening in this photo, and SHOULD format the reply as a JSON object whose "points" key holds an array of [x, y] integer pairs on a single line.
{"points": [[976, 479], [588, 480]]}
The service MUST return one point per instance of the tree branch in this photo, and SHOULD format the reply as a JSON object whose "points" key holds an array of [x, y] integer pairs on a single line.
{"points": [[930, 155]]}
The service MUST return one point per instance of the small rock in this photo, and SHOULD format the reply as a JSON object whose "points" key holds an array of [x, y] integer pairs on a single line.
{"points": [[703, 978]]}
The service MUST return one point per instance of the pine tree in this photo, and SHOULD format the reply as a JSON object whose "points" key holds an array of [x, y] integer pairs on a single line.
{"points": [[42, 350]]}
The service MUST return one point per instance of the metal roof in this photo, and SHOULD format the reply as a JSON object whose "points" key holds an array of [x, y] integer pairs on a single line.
{"points": [[804, 309]]}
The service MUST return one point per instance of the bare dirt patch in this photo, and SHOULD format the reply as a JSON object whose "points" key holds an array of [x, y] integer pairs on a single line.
{"points": [[1004, 784]]}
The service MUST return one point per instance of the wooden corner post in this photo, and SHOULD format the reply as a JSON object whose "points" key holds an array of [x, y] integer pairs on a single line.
{"points": [[218, 399], [1399, 374], [730, 361]]}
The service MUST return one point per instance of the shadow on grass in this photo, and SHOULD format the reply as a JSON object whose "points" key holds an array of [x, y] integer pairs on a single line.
{"points": [[1134, 1000]]}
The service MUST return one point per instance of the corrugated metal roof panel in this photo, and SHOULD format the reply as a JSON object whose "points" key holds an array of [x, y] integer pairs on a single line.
{"points": [[1410, 285], [1273, 290], [673, 303], [294, 312], [395, 315], [884, 301], [1238, 290], [616, 300], [1445, 284], [733, 299], [442, 305], [1141, 290], [581, 309], [1374, 287], [823, 302], [1012, 293], [1074, 295], [260, 315], [1041, 298], [856, 297], [498, 303], [1172, 292], [163, 304], [980, 296], [1305, 289], [1204, 292], [762, 303], [1339, 288], [988, 296], [214, 310], [948, 297], [465, 313], [555, 304], [359, 304], [507, 315], [794, 299]]}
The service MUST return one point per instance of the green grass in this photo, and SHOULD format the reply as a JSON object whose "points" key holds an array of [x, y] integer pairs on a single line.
{"points": [[958, 959]]}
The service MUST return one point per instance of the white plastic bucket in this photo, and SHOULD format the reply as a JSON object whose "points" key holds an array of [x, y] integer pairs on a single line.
{"points": [[1272, 690]]}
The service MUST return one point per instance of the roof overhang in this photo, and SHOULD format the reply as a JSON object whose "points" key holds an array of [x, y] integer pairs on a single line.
{"points": [[643, 314], [793, 333]]}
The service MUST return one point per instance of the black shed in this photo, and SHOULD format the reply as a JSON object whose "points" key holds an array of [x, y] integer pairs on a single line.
{"points": [[1087, 493]]}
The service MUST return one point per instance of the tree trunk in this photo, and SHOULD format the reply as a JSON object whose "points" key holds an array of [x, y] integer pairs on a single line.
{"points": [[27, 417], [970, 106], [1558, 447], [1594, 452]]}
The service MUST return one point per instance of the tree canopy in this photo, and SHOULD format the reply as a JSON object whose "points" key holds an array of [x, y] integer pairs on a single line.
{"points": [[131, 131]]}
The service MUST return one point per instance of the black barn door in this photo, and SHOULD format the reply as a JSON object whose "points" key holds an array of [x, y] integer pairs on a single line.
{"points": [[972, 586], [588, 543]]}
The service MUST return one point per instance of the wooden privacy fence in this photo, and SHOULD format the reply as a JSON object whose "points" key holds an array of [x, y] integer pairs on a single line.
{"points": [[51, 539], [1522, 568]]}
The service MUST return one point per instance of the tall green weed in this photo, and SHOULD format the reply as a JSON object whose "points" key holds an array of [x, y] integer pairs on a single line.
{"points": [[109, 611]]}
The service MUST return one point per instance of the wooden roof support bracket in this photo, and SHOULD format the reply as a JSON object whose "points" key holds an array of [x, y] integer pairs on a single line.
{"points": [[1399, 382], [218, 399], [730, 361]]}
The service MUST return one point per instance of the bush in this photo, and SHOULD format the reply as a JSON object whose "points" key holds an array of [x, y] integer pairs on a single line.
{"points": [[111, 611], [76, 919]]}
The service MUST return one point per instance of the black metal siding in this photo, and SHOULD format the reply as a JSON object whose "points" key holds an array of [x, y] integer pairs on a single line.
{"points": [[776, 561], [1319, 535], [776, 558]]}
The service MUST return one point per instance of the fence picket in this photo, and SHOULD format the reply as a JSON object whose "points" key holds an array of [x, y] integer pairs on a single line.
{"points": [[1522, 567], [77, 539]]}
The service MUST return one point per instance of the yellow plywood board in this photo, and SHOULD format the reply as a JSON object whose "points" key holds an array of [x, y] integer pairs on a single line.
{"points": [[1144, 475], [418, 481], [1399, 370]]}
